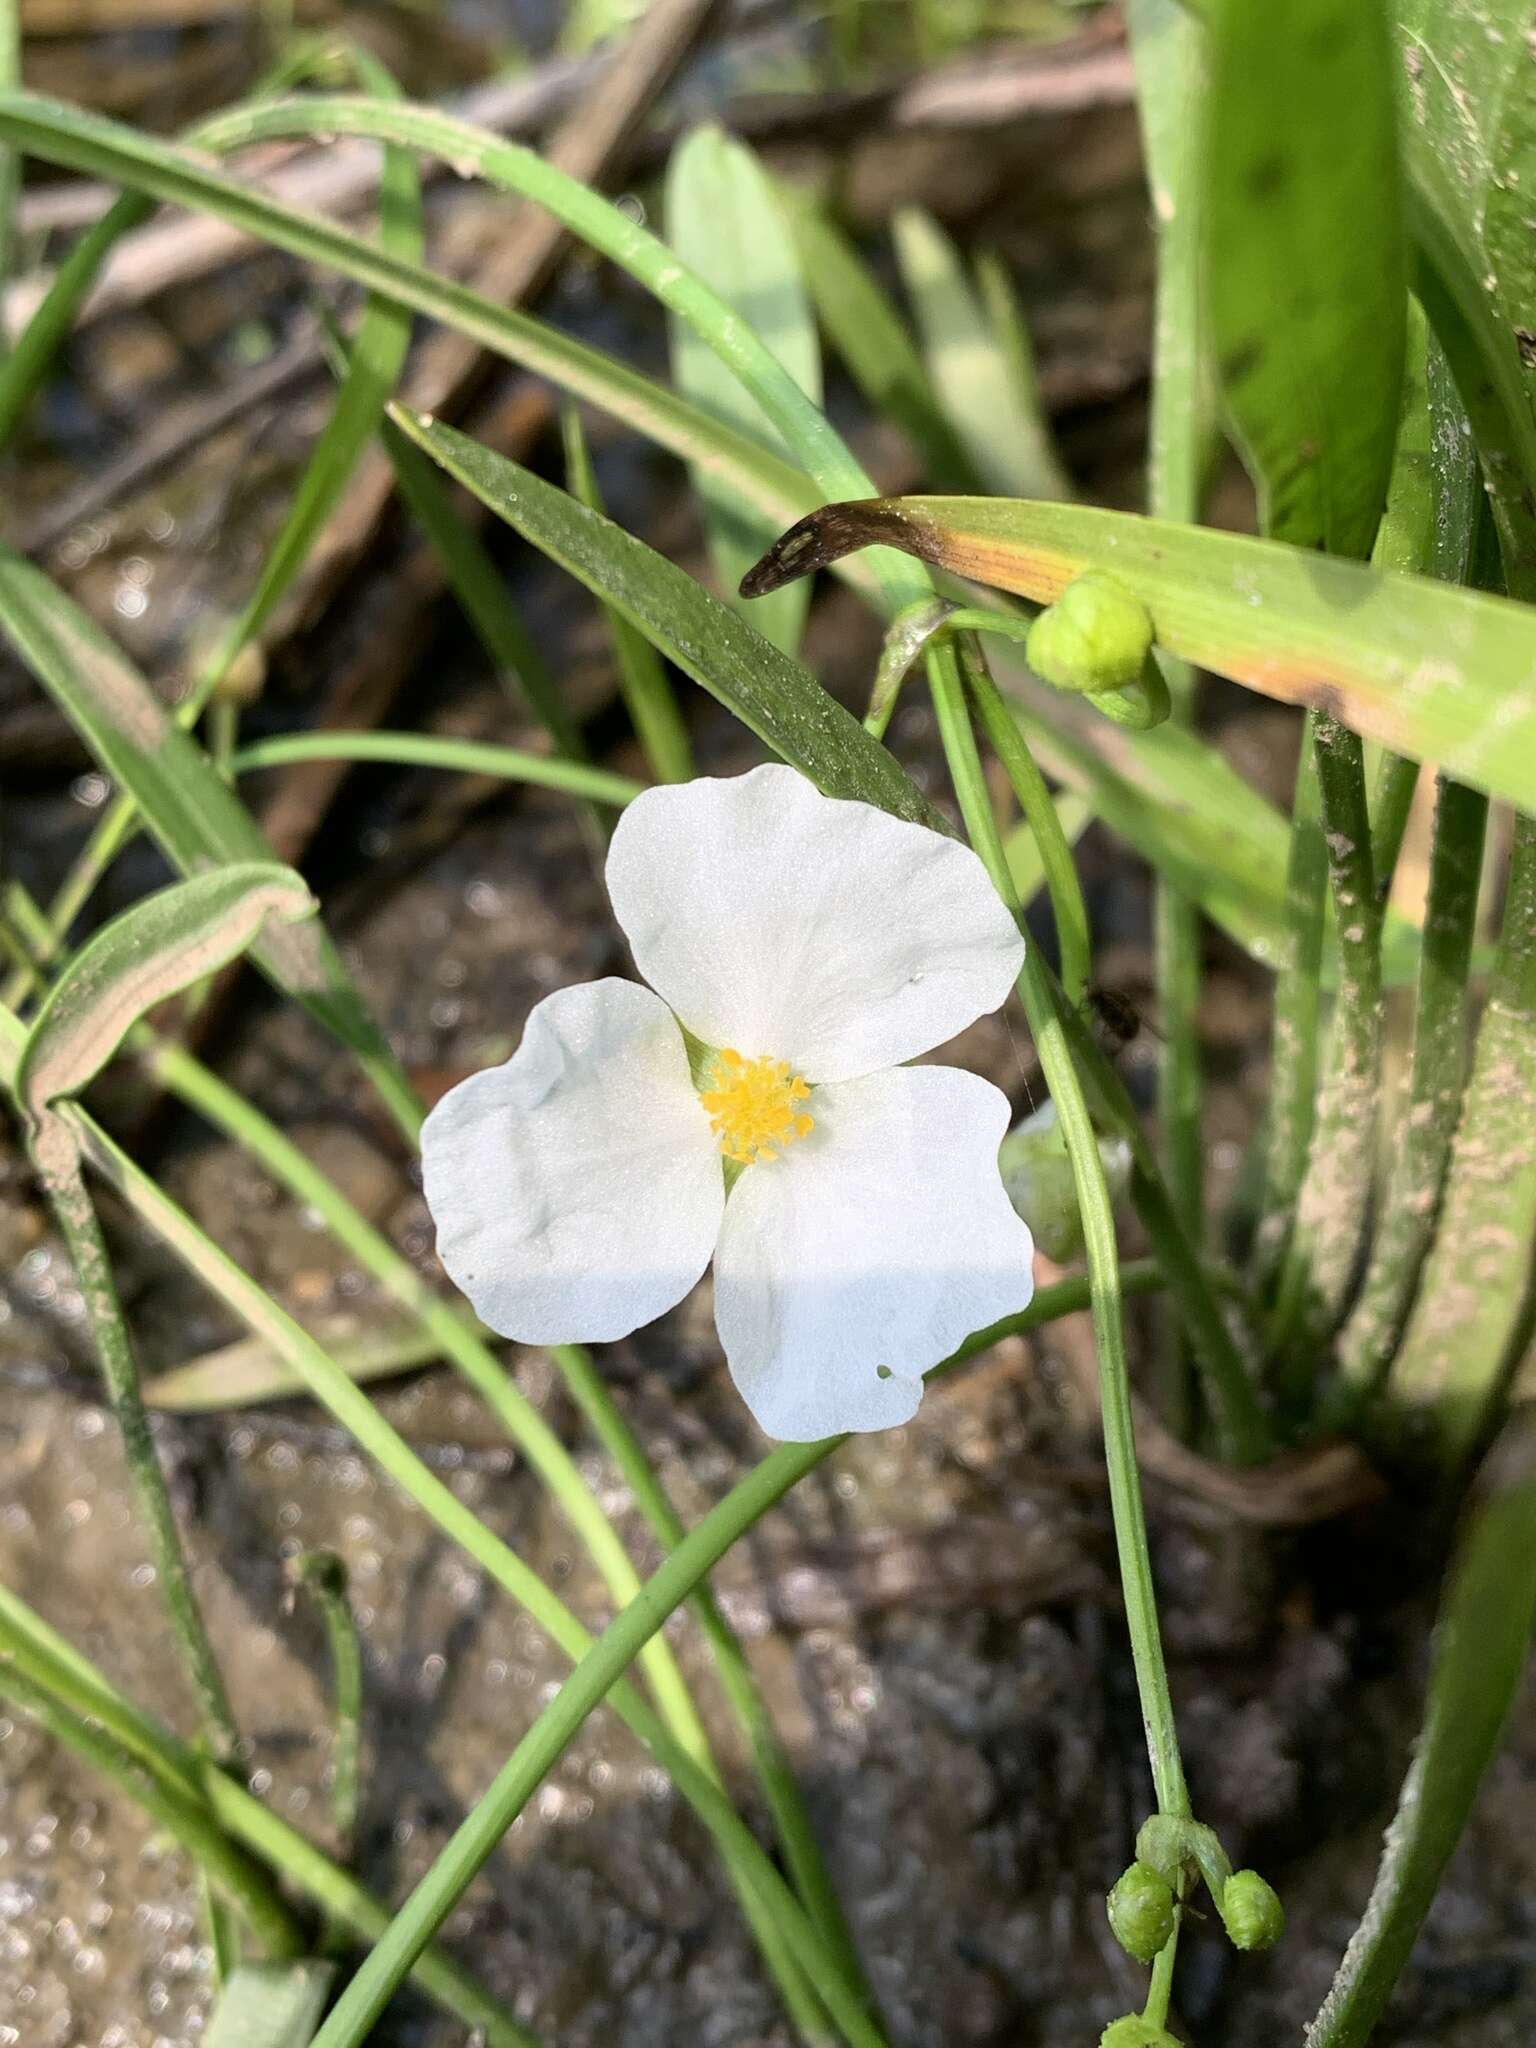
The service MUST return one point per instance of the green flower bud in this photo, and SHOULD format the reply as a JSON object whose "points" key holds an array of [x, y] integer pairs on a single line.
{"points": [[1038, 1177], [1135, 2032], [1251, 1911], [1095, 637], [1141, 1912]]}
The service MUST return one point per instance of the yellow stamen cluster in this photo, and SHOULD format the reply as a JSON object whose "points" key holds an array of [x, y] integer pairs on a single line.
{"points": [[751, 1107]]}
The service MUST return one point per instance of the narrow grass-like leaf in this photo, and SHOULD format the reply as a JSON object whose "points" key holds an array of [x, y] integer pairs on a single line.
{"points": [[184, 177], [441, 750], [270, 2005], [726, 222], [1305, 272], [1441, 674], [1481, 1645], [778, 699], [161, 945], [970, 368], [876, 349], [1009, 328], [249, 1371], [196, 819]]}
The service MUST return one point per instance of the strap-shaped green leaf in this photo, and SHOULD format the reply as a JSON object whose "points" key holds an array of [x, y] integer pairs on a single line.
{"points": [[780, 701], [1305, 267], [1481, 1645], [160, 946], [1438, 673]]}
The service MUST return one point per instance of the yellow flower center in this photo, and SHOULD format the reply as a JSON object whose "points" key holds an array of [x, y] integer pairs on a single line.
{"points": [[752, 1106]]}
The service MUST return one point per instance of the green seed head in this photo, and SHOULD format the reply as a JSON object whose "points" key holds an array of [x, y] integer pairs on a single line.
{"points": [[1251, 1911], [1135, 2032], [1141, 1912], [1095, 637]]}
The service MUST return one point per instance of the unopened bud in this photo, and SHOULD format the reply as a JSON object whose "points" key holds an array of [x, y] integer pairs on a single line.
{"points": [[1141, 1912], [1134, 2031], [1251, 1911], [1095, 637]]}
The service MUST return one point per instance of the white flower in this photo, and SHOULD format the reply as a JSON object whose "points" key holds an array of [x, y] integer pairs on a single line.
{"points": [[861, 1230]]}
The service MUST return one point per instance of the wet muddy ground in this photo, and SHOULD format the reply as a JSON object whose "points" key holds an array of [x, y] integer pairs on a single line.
{"points": [[933, 1613]]}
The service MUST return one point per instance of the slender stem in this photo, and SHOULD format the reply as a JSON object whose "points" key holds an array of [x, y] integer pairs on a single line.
{"points": [[803, 1854], [356, 1413], [1411, 1202], [1102, 1254], [1073, 940], [58, 1669], [322, 1574], [10, 160], [1471, 1310], [1160, 1989], [1293, 1043], [58, 1163], [1333, 1202], [233, 1874], [595, 1677], [200, 1089], [433, 750], [1397, 780]]}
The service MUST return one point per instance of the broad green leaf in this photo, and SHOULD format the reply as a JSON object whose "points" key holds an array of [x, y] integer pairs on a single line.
{"points": [[778, 699], [1305, 270], [876, 349], [1441, 674], [1470, 132], [270, 2005], [726, 222], [161, 945], [1468, 92], [1481, 1645], [194, 816], [251, 1370], [970, 367]]}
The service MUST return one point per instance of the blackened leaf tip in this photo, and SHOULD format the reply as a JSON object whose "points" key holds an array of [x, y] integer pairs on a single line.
{"points": [[812, 543]]}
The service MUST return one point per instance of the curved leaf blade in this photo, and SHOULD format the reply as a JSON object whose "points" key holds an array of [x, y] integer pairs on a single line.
{"points": [[1438, 673], [158, 947], [1481, 1644], [777, 698]]}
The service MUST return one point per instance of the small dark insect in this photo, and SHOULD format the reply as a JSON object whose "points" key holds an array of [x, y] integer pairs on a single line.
{"points": [[1116, 1021]]}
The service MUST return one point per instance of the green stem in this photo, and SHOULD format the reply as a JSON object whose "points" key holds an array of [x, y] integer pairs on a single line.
{"points": [[56, 1667], [235, 1877], [1411, 1202], [322, 1575], [58, 1164], [1470, 1312], [1102, 1255], [1397, 780], [596, 1676], [432, 750], [1294, 1032], [1073, 940], [202, 1090], [1334, 1200], [807, 1867]]}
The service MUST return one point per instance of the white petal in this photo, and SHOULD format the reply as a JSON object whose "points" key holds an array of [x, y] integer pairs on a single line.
{"points": [[782, 922], [879, 1241], [576, 1188]]}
